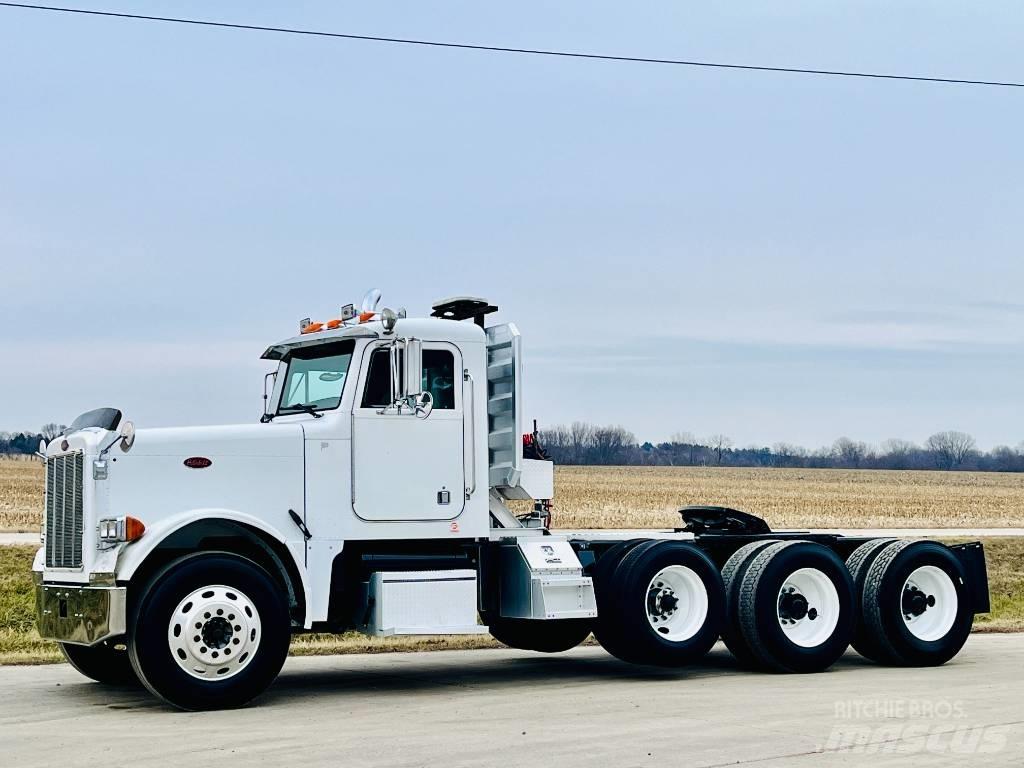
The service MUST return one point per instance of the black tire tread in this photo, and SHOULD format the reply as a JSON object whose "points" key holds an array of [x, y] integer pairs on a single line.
{"points": [[732, 576], [746, 606], [872, 604], [858, 563], [608, 591]]}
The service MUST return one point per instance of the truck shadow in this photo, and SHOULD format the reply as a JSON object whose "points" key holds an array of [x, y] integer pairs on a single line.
{"points": [[494, 670]]}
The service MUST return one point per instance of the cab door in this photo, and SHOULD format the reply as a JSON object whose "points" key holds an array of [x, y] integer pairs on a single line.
{"points": [[406, 467]]}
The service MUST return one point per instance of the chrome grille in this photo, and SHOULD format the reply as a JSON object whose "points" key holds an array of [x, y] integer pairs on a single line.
{"points": [[64, 526]]}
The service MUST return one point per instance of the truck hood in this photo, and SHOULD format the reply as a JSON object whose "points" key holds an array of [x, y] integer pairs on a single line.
{"points": [[236, 440]]}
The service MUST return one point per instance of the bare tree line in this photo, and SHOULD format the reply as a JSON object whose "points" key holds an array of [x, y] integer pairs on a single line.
{"points": [[28, 442], [582, 443]]}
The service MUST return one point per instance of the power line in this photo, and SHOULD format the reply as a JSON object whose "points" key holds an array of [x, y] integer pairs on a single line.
{"points": [[526, 51]]}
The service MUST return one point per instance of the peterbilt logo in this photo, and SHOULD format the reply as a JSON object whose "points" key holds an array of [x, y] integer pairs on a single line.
{"points": [[197, 462]]}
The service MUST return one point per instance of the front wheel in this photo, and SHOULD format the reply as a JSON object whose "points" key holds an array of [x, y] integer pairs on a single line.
{"points": [[106, 662], [211, 632]]}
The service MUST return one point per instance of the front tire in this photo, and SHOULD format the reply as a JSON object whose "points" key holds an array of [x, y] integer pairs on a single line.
{"points": [[211, 632], [104, 662]]}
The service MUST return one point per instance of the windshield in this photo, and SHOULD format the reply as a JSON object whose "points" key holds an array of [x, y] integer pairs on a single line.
{"points": [[316, 377]]}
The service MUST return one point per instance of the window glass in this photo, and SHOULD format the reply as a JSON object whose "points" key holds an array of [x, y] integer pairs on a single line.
{"points": [[378, 381], [316, 377], [438, 379]]}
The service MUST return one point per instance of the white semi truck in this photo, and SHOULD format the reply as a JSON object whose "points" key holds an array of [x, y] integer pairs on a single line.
{"points": [[372, 495]]}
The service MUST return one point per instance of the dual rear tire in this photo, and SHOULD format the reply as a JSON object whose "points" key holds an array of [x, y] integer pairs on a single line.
{"points": [[794, 606], [659, 603], [790, 606], [914, 607]]}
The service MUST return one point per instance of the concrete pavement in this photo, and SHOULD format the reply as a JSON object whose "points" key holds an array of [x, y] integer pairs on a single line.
{"points": [[513, 708]]}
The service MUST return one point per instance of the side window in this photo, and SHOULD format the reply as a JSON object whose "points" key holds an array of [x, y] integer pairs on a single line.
{"points": [[378, 381], [438, 379]]}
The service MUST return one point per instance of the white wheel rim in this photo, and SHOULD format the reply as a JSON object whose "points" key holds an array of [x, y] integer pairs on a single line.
{"points": [[677, 603], [214, 632], [808, 607], [929, 603]]}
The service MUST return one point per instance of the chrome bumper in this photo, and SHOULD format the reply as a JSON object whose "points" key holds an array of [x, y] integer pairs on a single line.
{"points": [[80, 615]]}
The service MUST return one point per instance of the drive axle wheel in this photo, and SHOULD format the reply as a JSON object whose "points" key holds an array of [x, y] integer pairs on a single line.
{"points": [[915, 604], [663, 605], [795, 607], [106, 662], [211, 631]]}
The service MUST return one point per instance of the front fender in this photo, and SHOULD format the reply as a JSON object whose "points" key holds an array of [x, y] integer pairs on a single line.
{"points": [[133, 555]]}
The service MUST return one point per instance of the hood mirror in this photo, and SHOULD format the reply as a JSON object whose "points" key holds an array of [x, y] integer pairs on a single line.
{"points": [[127, 433]]}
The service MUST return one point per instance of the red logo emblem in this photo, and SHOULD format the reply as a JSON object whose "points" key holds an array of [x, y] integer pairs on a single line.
{"points": [[197, 462]]}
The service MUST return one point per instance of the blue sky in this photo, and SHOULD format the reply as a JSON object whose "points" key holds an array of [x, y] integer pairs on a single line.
{"points": [[774, 257]]}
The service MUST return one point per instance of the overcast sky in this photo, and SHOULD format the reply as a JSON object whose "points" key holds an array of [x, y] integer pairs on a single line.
{"points": [[774, 257]]}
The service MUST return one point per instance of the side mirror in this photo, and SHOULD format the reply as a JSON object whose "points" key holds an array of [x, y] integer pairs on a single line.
{"points": [[272, 379], [406, 357], [413, 368], [397, 380]]}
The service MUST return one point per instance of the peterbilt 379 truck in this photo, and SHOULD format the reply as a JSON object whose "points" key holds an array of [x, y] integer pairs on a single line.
{"points": [[373, 494]]}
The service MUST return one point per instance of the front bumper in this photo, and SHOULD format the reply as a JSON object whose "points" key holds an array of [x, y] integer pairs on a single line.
{"points": [[80, 615]]}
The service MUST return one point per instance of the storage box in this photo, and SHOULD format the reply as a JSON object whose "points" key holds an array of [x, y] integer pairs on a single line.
{"points": [[422, 603]]}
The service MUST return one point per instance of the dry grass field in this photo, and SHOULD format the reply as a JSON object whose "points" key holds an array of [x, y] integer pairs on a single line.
{"points": [[21, 494], [648, 497]]}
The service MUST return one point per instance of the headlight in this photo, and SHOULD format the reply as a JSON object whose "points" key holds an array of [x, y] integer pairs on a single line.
{"points": [[117, 529]]}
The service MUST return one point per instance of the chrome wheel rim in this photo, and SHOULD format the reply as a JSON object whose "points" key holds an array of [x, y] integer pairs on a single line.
{"points": [[214, 632], [677, 603], [929, 603], [808, 607]]}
